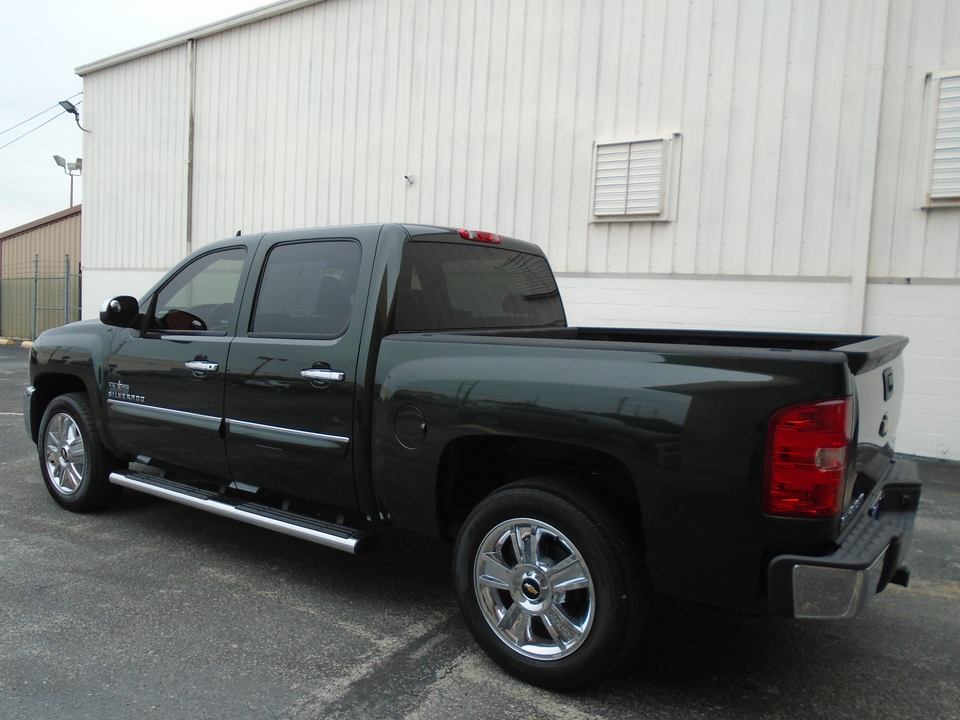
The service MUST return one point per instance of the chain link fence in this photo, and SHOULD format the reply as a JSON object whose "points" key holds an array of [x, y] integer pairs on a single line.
{"points": [[36, 296]]}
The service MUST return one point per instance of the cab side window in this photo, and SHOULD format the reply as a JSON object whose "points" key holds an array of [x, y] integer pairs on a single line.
{"points": [[308, 290], [202, 296]]}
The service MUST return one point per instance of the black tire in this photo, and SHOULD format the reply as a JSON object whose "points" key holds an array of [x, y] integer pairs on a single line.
{"points": [[596, 607], [73, 461]]}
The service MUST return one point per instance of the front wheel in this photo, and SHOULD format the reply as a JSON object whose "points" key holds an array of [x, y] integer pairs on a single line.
{"points": [[73, 461], [550, 583]]}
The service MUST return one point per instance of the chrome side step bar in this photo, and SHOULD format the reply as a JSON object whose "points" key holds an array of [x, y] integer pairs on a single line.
{"points": [[331, 535]]}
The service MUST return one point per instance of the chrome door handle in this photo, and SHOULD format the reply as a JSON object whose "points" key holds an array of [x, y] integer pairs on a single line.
{"points": [[202, 366], [322, 375]]}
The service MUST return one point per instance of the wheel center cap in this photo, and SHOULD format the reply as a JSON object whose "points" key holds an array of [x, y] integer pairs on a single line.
{"points": [[530, 589]]}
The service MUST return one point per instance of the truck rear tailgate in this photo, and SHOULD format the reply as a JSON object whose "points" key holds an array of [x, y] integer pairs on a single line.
{"points": [[877, 367]]}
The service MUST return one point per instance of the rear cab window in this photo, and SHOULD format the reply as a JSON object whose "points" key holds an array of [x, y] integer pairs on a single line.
{"points": [[459, 286]]}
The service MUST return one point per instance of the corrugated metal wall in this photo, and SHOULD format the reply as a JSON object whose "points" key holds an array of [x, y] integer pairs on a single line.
{"points": [[50, 241], [314, 117], [907, 241], [39, 274], [135, 162]]}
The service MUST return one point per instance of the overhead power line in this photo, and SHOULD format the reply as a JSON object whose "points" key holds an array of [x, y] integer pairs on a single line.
{"points": [[64, 112], [14, 127]]}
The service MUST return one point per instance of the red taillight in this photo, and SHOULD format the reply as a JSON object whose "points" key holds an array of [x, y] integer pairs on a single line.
{"points": [[807, 459], [481, 236]]}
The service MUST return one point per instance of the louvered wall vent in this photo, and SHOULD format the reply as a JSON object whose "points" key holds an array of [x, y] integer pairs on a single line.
{"points": [[945, 180], [633, 180]]}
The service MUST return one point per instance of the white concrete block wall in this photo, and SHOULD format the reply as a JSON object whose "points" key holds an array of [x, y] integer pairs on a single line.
{"points": [[716, 304], [928, 314]]}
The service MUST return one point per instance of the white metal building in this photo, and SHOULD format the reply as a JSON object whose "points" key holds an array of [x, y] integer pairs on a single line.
{"points": [[736, 164]]}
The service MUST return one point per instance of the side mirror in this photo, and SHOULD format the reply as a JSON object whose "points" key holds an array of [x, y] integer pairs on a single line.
{"points": [[121, 311]]}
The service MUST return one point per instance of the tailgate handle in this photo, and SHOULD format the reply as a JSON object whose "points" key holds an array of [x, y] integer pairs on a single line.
{"points": [[322, 375], [887, 384]]}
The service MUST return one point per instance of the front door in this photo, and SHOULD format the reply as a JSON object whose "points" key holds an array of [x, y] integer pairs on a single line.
{"points": [[165, 381], [289, 402]]}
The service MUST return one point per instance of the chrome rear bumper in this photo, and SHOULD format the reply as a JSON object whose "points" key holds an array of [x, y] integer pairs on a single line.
{"points": [[870, 556]]}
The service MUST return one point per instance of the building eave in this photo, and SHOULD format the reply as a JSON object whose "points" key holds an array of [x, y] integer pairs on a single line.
{"points": [[251, 16], [48, 220]]}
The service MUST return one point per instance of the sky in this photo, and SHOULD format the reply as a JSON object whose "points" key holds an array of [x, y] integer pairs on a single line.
{"points": [[41, 42]]}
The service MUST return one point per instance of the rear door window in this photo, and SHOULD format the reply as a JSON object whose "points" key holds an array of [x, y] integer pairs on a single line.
{"points": [[307, 290]]}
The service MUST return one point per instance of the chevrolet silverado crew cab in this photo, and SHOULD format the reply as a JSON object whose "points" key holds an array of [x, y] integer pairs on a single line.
{"points": [[326, 382]]}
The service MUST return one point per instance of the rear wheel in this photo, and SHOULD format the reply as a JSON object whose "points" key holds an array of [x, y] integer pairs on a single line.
{"points": [[73, 461], [550, 582]]}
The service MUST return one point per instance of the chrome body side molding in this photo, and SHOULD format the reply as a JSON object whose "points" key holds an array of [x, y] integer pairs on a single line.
{"points": [[152, 414], [287, 439]]}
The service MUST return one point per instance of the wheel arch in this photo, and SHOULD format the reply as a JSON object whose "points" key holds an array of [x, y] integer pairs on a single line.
{"points": [[472, 467], [48, 386]]}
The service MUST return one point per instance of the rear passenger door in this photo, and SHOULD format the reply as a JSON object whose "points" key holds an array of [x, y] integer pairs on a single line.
{"points": [[291, 376]]}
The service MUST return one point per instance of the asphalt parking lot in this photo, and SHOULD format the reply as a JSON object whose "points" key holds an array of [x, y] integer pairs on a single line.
{"points": [[153, 610]]}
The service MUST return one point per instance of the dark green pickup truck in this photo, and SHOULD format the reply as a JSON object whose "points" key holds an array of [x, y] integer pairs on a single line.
{"points": [[324, 382]]}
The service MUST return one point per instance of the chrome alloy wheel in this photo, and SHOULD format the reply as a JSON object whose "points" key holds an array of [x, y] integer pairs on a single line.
{"points": [[65, 457], [534, 589]]}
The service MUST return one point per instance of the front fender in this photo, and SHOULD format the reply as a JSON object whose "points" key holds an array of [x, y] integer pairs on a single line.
{"points": [[71, 358]]}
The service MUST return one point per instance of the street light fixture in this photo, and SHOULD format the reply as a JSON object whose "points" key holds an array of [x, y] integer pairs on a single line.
{"points": [[72, 109], [73, 169]]}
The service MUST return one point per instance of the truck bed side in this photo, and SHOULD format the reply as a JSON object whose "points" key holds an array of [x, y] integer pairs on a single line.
{"points": [[676, 435]]}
